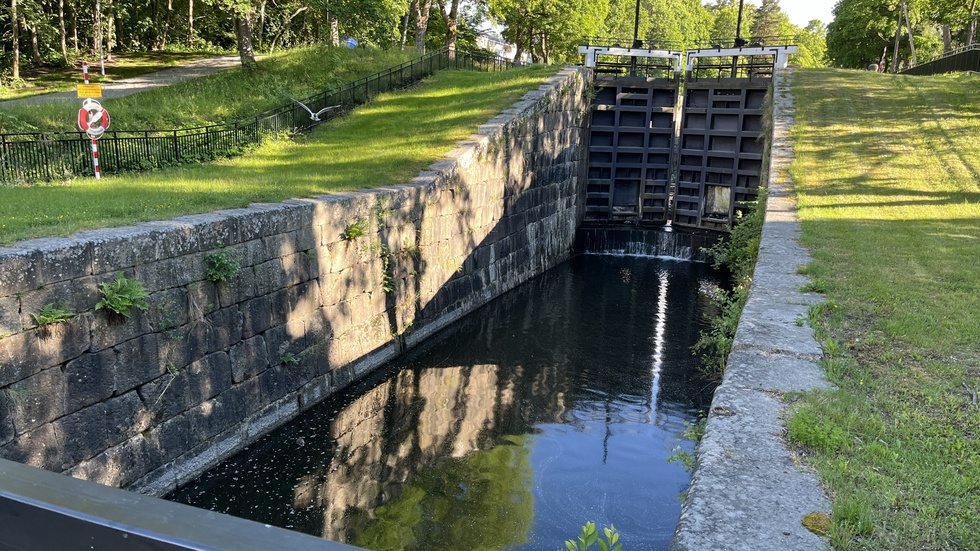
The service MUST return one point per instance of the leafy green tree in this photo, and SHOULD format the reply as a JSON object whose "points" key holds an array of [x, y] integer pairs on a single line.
{"points": [[549, 29], [725, 14], [860, 32], [769, 21], [679, 24], [812, 44]]}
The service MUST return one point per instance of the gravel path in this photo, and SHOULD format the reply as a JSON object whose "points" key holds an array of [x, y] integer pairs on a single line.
{"points": [[142, 83]]}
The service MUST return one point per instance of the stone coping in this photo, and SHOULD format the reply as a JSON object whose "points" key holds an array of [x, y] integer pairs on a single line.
{"points": [[748, 490]]}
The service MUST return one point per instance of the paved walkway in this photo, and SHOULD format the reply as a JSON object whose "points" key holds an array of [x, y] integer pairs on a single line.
{"points": [[142, 83]]}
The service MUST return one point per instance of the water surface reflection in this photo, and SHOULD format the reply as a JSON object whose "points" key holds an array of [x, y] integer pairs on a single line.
{"points": [[556, 404]]}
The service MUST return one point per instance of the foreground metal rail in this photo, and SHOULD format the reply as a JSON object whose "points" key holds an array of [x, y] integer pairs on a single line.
{"points": [[44, 511]]}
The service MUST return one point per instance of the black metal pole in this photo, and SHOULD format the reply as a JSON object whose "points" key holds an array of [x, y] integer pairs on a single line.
{"points": [[739, 42], [636, 38]]}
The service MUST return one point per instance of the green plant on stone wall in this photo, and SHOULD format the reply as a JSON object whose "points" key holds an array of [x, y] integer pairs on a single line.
{"points": [[122, 295], [355, 230], [738, 254], [590, 536], [51, 314], [222, 266]]}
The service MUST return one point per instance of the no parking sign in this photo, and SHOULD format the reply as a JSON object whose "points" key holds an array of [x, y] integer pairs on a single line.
{"points": [[93, 120]]}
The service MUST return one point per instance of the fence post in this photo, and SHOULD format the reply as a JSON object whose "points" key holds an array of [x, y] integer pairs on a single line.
{"points": [[176, 148]]}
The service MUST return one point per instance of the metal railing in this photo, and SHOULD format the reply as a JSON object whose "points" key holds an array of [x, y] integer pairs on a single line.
{"points": [[711, 43], [964, 58], [31, 157]]}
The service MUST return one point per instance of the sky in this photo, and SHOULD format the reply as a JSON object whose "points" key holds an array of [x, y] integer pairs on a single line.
{"points": [[800, 12]]}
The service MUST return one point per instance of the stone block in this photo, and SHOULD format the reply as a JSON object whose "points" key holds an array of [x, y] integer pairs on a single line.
{"points": [[248, 358], [38, 399], [116, 249], [10, 318], [285, 341], [118, 466], [279, 307], [85, 432], [256, 316], [19, 270], [303, 299], [169, 439], [213, 417], [222, 328], [7, 431], [249, 394], [208, 231], [43, 448], [61, 259], [18, 357], [171, 272], [167, 310], [239, 288], [110, 329], [299, 267], [89, 379], [126, 416], [173, 393], [269, 277], [137, 362]]}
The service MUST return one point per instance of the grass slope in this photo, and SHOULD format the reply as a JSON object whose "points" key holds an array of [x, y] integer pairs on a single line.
{"points": [[219, 98], [386, 142], [888, 180]]}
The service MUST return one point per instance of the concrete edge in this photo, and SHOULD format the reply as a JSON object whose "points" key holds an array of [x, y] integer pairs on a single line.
{"points": [[748, 490]]}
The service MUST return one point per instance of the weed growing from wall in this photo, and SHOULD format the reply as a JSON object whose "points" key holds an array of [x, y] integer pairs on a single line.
{"points": [[737, 254], [222, 266], [49, 315], [122, 295]]}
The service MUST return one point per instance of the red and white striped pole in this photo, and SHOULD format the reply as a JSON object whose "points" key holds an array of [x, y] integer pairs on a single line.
{"points": [[85, 71], [95, 159]]}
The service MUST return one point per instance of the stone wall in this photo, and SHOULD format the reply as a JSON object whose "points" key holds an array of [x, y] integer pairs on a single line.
{"points": [[329, 288]]}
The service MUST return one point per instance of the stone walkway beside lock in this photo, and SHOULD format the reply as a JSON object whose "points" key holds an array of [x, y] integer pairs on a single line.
{"points": [[748, 491]]}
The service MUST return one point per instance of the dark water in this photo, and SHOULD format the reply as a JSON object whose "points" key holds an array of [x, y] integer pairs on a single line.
{"points": [[556, 404]]}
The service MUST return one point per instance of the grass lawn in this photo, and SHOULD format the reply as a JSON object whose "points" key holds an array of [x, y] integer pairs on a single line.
{"points": [[887, 173], [43, 80], [388, 141]]}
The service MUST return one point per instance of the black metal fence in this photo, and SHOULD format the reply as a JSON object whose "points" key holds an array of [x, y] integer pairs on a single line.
{"points": [[966, 58], [30, 157]]}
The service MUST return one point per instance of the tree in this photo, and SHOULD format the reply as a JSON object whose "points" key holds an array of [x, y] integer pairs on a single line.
{"points": [[770, 22], [860, 32], [16, 40], [812, 45], [679, 24], [549, 29]]}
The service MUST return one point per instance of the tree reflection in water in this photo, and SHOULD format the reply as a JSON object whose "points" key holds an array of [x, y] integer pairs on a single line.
{"points": [[555, 404]]}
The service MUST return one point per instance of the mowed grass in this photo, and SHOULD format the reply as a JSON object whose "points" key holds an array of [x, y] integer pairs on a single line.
{"points": [[219, 98], [386, 142], [888, 180]]}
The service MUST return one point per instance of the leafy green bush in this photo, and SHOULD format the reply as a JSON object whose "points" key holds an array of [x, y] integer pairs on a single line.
{"points": [[121, 295]]}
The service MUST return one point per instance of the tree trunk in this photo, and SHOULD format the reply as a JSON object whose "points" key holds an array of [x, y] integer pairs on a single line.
{"points": [[452, 31], [74, 34], [16, 39], [261, 30], [334, 30], [62, 35], [947, 38], [190, 23], [408, 15], [111, 33], [422, 9], [243, 30], [35, 49]]}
